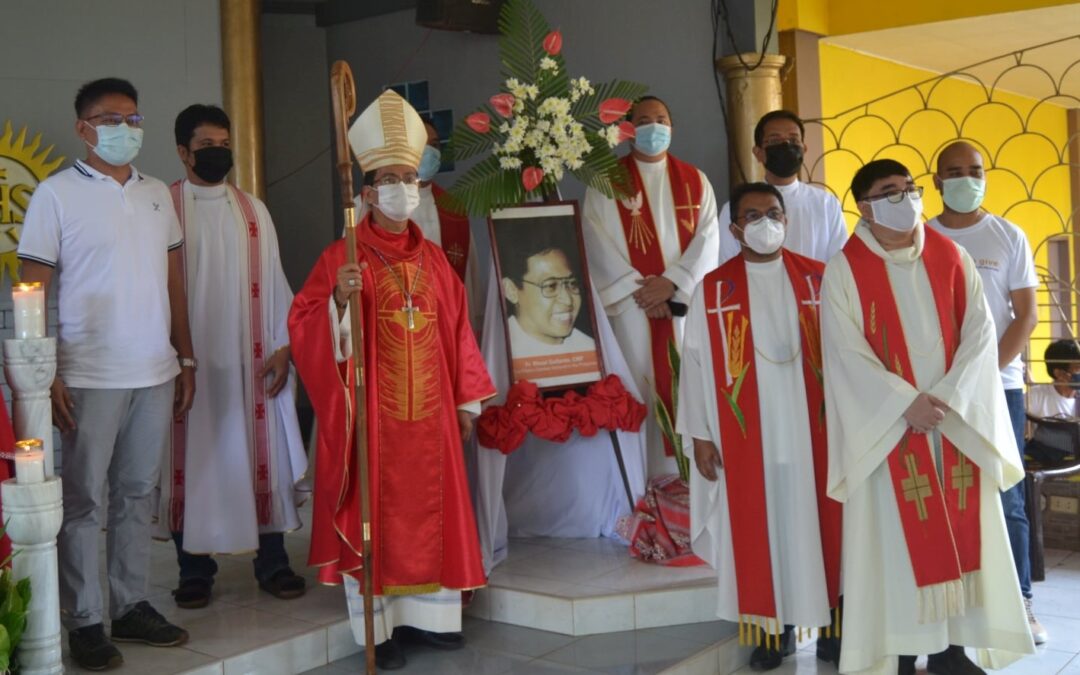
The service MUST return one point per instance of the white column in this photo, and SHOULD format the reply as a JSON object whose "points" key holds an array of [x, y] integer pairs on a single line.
{"points": [[34, 513], [30, 366]]}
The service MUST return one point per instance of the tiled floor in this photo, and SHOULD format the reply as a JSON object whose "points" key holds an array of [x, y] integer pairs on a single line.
{"points": [[498, 649], [247, 631]]}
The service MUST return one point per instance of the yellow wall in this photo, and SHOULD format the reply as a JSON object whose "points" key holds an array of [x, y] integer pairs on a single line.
{"points": [[1022, 143], [841, 17]]}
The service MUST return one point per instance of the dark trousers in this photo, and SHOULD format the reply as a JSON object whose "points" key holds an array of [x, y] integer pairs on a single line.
{"points": [[270, 559]]}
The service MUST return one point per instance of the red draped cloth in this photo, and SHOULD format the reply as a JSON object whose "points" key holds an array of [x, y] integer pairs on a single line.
{"points": [[423, 530]]}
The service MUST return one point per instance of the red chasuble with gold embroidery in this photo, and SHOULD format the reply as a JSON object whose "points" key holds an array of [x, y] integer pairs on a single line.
{"points": [[727, 303], [423, 528], [940, 518], [645, 255]]}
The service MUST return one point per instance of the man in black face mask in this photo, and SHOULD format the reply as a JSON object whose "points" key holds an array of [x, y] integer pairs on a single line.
{"points": [[227, 485], [816, 226]]}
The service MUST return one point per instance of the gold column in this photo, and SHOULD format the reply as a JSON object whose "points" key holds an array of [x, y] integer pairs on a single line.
{"points": [[750, 94], [241, 58]]}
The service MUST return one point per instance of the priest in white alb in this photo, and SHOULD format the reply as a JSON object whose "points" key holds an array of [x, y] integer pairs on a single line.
{"points": [[920, 444], [646, 255], [228, 483], [816, 227], [752, 401]]}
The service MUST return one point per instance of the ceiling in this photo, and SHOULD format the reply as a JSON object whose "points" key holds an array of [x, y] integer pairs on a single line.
{"points": [[950, 45]]}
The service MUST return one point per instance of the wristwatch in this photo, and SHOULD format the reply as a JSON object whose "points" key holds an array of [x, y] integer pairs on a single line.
{"points": [[189, 363]]}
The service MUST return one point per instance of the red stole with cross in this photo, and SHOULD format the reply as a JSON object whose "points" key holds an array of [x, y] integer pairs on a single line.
{"points": [[647, 258], [260, 427], [454, 234], [727, 305], [940, 518]]}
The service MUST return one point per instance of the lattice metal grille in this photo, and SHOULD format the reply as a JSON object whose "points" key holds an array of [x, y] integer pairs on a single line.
{"points": [[1014, 108]]}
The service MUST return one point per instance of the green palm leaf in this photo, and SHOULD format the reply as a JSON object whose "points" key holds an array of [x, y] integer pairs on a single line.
{"points": [[601, 169], [522, 29], [465, 143], [487, 186]]}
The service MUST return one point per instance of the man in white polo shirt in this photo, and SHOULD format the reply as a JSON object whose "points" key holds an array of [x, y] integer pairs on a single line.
{"points": [[109, 237], [1003, 257], [816, 226]]}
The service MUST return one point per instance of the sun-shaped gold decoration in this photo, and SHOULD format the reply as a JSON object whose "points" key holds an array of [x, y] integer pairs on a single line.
{"points": [[22, 167]]}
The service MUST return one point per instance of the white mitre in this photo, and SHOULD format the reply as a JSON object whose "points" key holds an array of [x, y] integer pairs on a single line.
{"points": [[388, 132]]}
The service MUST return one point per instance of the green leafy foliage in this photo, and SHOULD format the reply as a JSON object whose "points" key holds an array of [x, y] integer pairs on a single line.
{"points": [[666, 418], [14, 605], [487, 186]]}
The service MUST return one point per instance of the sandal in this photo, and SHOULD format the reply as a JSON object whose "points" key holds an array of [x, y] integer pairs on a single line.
{"points": [[192, 594], [284, 585]]}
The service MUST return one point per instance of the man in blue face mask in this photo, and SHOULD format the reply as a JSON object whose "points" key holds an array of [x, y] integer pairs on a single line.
{"points": [[646, 254], [109, 237], [1003, 256]]}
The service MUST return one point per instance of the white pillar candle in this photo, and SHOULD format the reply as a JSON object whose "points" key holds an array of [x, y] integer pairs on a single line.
{"points": [[29, 461], [29, 309]]}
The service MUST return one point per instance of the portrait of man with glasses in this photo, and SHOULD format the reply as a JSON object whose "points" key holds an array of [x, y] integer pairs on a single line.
{"points": [[544, 291]]}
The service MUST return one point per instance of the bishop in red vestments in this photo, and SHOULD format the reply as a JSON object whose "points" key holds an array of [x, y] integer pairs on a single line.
{"points": [[425, 379]]}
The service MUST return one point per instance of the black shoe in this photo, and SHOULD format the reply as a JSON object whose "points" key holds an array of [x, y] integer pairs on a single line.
{"points": [[828, 650], [92, 650], [768, 658], [952, 661], [389, 655], [143, 624], [415, 636], [285, 585], [906, 666], [192, 594]]}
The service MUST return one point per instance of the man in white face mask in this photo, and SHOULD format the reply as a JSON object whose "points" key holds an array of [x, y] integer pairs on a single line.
{"points": [[1003, 257], [919, 444], [425, 379], [752, 401]]}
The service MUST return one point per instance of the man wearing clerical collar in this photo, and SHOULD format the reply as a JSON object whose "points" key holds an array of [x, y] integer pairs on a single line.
{"points": [[920, 443]]}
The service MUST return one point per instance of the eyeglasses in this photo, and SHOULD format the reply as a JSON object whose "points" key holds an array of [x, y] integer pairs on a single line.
{"points": [[116, 119], [752, 215], [394, 179], [549, 288], [897, 196]]}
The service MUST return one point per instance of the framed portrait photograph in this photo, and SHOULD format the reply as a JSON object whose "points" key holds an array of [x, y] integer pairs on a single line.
{"points": [[546, 299]]}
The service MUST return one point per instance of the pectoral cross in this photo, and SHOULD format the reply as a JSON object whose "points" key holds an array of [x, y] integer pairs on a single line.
{"points": [[962, 479], [409, 310], [916, 487], [815, 299], [720, 311], [691, 222]]}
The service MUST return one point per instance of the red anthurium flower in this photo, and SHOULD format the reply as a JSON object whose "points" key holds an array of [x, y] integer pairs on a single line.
{"points": [[503, 104], [553, 42], [612, 109], [626, 131], [479, 122], [531, 177]]}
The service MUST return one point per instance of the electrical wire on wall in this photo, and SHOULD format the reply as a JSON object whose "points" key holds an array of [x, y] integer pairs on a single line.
{"points": [[721, 19]]}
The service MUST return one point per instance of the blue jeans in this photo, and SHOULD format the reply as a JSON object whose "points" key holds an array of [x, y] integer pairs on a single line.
{"points": [[1012, 500], [270, 559]]}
